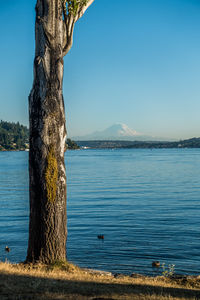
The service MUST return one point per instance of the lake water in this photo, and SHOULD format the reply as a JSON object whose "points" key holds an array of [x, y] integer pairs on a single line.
{"points": [[146, 203]]}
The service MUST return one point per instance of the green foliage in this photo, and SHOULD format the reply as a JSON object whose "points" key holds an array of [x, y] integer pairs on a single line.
{"points": [[13, 136], [63, 266], [71, 145], [74, 5], [168, 271]]}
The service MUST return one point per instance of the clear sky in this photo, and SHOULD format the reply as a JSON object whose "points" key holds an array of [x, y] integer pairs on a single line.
{"points": [[135, 61]]}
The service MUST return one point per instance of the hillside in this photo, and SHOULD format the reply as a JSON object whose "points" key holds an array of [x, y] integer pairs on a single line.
{"points": [[13, 136]]}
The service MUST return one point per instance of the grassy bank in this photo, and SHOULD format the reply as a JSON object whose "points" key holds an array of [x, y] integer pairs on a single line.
{"points": [[22, 282]]}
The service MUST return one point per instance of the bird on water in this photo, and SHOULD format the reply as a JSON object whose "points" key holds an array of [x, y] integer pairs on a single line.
{"points": [[7, 249], [156, 264], [100, 237]]}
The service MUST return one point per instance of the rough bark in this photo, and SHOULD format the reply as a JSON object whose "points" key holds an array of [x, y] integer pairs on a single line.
{"points": [[47, 228], [47, 178]]}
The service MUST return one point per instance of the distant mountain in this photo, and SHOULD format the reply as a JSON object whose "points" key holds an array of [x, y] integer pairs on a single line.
{"points": [[116, 132]]}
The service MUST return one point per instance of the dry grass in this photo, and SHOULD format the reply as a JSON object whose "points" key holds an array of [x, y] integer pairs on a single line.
{"points": [[65, 281]]}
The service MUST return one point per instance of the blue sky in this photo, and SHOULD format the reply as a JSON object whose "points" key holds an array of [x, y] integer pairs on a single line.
{"points": [[136, 62]]}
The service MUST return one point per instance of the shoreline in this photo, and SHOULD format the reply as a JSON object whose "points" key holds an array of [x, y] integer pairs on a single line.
{"points": [[66, 281]]}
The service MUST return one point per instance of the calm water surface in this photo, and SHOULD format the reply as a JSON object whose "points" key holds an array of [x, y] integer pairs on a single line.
{"points": [[145, 202]]}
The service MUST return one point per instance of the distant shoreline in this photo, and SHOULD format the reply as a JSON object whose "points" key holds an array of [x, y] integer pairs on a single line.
{"points": [[110, 144], [101, 145]]}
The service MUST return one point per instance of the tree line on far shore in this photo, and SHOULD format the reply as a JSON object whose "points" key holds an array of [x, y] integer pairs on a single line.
{"points": [[13, 136], [110, 144]]}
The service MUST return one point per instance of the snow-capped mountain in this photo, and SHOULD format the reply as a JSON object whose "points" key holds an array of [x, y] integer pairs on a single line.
{"points": [[115, 132]]}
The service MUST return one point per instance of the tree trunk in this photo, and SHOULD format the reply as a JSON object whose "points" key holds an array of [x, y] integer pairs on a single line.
{"points": [[47, 227]]}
